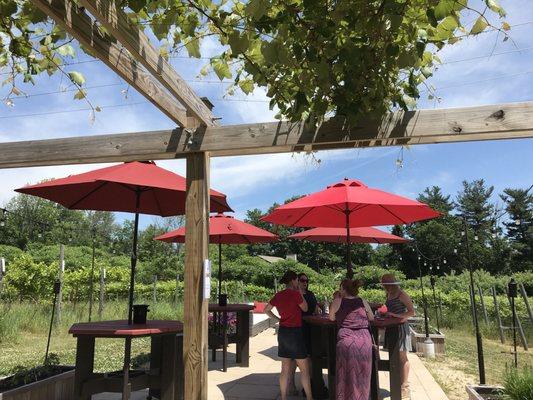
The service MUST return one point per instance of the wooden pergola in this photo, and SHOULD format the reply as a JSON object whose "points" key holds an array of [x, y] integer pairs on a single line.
{"points": [[198, 136]]}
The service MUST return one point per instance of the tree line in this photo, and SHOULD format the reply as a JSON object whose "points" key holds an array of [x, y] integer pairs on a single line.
{"points": [[500, 235]]}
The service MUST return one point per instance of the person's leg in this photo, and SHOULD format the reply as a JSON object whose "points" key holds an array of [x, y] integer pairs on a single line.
{"points": [[303, 365], [404, 362], [292, 379], [284, 377]]}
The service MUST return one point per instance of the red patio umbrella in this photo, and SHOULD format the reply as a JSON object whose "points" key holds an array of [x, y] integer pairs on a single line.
{"points": [[138, 187], [350, 204], [357, 235], [224, 229]]}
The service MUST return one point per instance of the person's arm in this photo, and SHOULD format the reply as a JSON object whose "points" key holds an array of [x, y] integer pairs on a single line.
{"points": [[368, 309], [268, 311], [302, 303], [334, 308], [406, 300]]}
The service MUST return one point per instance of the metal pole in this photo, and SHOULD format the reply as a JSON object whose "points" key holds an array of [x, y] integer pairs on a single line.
{"points": [[57, 288], [348, 252], [479, 340], [219, 266], [424, 300], [133, 259], [432, 281]]}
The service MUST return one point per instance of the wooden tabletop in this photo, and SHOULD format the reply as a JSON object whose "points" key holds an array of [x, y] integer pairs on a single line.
{"points": [[378, 322], [230, 307], [121, 329]]}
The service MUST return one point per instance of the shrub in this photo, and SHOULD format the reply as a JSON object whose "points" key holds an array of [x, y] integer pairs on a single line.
{"points": [[518, 385]]}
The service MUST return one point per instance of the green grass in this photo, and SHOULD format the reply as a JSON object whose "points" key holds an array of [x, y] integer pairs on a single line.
{"points": [[459, 366], [24, 329]]}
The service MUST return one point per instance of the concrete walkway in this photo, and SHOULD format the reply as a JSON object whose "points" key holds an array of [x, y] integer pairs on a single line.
{"points": [[260, 381]]}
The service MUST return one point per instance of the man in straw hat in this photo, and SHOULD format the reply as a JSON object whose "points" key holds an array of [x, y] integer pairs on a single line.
{"points": [[399, 305]]}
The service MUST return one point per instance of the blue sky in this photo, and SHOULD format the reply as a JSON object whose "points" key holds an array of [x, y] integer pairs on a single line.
{"points": [[258, 181]]}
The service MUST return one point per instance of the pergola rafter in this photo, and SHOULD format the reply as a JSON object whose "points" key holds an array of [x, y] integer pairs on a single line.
{"points": [[116, 22], [162, 86], [499, 121]]}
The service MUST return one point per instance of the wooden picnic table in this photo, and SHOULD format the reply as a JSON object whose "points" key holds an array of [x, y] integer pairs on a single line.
{"points": [[165, 377], [219, 338], [323, 354]]}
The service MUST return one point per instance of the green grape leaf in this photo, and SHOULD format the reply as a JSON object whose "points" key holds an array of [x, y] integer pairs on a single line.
{"points": [[479, 26]]}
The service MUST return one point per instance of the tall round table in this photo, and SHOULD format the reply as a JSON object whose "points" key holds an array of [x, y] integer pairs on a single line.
{"points": [[165, 378], [323, 355]]}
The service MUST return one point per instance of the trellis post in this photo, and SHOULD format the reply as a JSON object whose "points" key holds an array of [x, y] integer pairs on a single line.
{"points": [[196, 277]]}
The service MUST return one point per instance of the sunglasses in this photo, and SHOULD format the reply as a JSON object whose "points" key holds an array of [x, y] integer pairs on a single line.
{"points": [[304, 280]]}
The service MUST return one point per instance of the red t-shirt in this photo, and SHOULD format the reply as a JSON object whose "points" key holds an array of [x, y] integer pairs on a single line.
{"points": [[287, 303]]}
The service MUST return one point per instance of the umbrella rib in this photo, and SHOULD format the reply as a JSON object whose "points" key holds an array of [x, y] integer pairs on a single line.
{"points": [[302, 216], [78, 201], [391, 213]]}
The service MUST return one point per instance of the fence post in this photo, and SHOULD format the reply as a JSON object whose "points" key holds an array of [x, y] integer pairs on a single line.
{"points": [[154, 292], [485, 315], [176, 292], [524, 296], [60, 278], [518, 325], [275, 284], [2, 272], [498, 318], [102, 293]]}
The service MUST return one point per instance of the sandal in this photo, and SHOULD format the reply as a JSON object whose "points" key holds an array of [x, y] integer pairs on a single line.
{"points": [[406, 392]]}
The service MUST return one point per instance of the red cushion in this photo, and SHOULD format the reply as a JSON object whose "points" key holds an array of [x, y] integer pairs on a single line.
{"points": [[259, 308]]}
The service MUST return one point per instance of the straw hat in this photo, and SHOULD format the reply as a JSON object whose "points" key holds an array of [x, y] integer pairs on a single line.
{"points": [[389, 279]]}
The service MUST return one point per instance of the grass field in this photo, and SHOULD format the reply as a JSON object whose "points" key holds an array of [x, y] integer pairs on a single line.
{"points": [[24, 329], [460, 366]]}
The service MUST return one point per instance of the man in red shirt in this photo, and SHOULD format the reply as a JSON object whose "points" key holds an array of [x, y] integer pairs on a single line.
{"points": [[291, 346]]}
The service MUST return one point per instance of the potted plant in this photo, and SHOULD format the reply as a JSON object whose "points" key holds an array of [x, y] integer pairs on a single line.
{"points": [[46, 382], [518, 385]]}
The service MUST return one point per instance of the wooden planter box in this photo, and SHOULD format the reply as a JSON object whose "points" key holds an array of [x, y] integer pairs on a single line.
{"points": [[57, 387], [417, 340], [484, 392]]}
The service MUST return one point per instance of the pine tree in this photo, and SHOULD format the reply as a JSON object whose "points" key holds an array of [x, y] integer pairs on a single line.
{"points": [[473, 204], [519, 207], [433, 197]]}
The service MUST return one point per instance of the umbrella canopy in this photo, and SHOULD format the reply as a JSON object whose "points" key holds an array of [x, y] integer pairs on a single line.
{"points": [[119, 188], [357, 235], [224, 229], [350, 204], [138, 187]]}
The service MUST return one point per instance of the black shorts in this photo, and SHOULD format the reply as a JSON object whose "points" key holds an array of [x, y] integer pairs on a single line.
{"points": [[291, 343]]}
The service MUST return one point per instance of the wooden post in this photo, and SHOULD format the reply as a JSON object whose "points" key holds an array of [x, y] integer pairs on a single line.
{"points": [[60, 277], [154, 290], [2, 272], [195, 301], [518, 325], [485, 315], [498, 318], [102, 293], [526, 301], [176, 293]]}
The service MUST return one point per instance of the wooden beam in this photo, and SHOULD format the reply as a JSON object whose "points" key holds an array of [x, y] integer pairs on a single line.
{"points": [[500, 121], [77, 23], [196, 251], [132, 38]]}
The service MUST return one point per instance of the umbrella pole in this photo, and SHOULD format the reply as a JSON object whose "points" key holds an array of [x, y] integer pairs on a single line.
{"points": [[133, 262], [348, 252], [219, 267]]}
